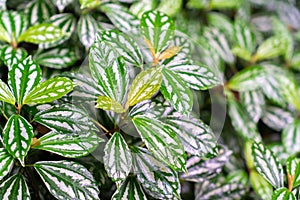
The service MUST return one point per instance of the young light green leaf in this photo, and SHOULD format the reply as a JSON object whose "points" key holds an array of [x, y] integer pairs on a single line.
{"points": [[11, 56], [38, 11], [271, 48], [198, 77], [261, 187], [89, 3], [291, 137], [87, 29], [176, 92], [107, 103], [117, 158], [159, 181], [254, 103], [41, 33], [267, 165], [283, 194], [17, 136], [161, 141], [67, 180], [125, 46], [50, 90], [130, 189], [170, 7], [15, 188], [144, 86], [6, 94], [6, 163], [158, 30], [70, 146]]}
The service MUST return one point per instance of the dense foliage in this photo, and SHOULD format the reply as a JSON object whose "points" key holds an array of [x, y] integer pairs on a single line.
{"points": [[150, 99]]}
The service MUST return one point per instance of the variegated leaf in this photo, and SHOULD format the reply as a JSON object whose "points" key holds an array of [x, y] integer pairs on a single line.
{"points": [[17, 136], [267, 165], [15, 187], [293, 171], [39, 11], [197, 137], [41, 33], [277, 118], [176, 91], [261, 187], [6, 163], [125, 46], [185, 44], [144, 86], [61, 4], [6, 94], [162, 141], [67, 180], [170, 7], [23, 77], [130, 189], [89, 3], [87, 29], [70, 146], [158, 30], [254, 103], [65, 119], [11, 56], [3, 5], [283, 194], [291, 137], [271, 48], [57, 58], [50, 90], [107, 103], [159, 181], [121, 17], [198, 77], [117, 158], [222, 22]]}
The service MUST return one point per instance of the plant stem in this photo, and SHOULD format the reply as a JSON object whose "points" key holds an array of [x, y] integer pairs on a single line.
{"points": [[290, 182], [100, 126]]}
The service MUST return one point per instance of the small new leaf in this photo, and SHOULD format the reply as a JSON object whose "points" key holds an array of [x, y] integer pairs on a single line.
{"points": [[107, 103]]}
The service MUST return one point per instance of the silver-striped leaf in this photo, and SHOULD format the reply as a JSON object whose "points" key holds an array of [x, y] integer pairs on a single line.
{"points": [[198, 77], [196, 137], [87, 29], [158, 180], [50, 90], [3, 5], [70, 146], [125, 46], [11, 56], [117, 158], [271, 48], [130, 189], [158, 30], [145, 85], [254, 103], [283, 194], [277, 118], [67, 180], [39, 11], [161, 141], [17, 136], [267, 165], [6, 94], [293, 171], [6, 163], [61, 4], [23, 77], [65, 119], [15, 187], [291, 137]]}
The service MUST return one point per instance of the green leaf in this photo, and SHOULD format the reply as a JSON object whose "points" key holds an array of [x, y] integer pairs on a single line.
{"points": [[39, 11], [176, 92], [50, 90], [223, 4], [293, 171], [158, 30], [117, 158], [196, 137], [291, 137], [283, 194], [261, 187], [70, 146], [221, 22], [277, 118], [6, 163], [107, 103], [121, 17], [89, 3], [145, 85], [162, 141], [159, 181], [15, 188], [12, 25], [198, 77], [170, 7], [67, 180], [41, 33], [6, 94], [17, 136], [87, 29], [65, 119], [271, 48], [267, 165], [130, 189], [11, 56], [125, 46], [254, 103]]}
